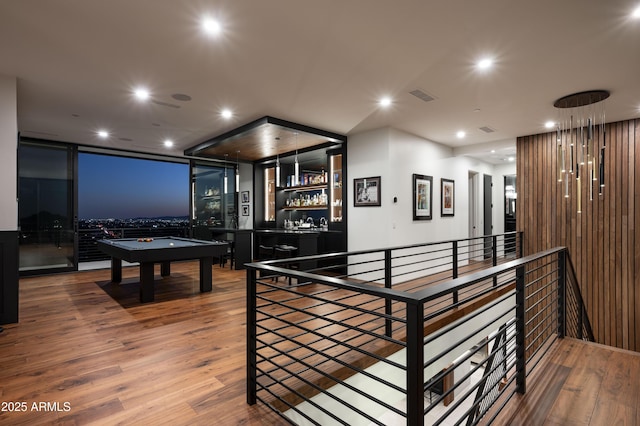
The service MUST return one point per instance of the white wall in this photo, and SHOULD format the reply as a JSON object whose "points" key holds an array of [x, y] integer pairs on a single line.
{"points": [[368, 156], [8, 147], [246, 184], [395, 156]]}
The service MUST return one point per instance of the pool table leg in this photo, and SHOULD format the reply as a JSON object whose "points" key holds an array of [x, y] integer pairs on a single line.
{"points": [[206, 263], [116, 270], [146, 282], [165, 269]]}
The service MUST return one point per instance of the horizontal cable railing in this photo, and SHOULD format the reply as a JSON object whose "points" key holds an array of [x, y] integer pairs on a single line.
{"points": [[410, 265], [333, 348], [88, 238], [576, 318]]}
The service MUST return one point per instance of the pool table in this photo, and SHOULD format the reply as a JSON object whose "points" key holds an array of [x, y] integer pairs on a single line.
{"points": [[163, 250]]}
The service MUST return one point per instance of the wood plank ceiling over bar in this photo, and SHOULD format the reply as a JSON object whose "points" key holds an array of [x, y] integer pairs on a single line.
{"points": [[265, 138]]}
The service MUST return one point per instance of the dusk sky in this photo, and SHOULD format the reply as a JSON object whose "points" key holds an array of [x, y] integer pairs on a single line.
{"points": [[122, 188]]}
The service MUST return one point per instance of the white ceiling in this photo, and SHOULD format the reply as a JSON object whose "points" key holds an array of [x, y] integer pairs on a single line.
{"points": [[319, 63]]}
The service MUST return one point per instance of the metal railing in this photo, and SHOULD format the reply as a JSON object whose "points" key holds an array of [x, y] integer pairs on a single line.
{"points": [[328, 348], [576, 318], [88, 238]]}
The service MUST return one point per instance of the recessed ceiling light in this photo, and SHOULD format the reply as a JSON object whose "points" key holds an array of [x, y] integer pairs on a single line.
{"points": [[511, 158], [636, 13], [385, 102], [141, 94], [493, 151], [461, 134], [168, 143], [485, 63], [226, 113], [549, 124], [103, 134], [211, 26]]}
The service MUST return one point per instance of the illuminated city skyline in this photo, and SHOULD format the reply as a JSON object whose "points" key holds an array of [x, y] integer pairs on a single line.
{"points": [[124, 188]]}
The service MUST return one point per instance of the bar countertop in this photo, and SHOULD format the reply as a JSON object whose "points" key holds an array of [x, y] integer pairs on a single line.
{"points": [[302, 231]]}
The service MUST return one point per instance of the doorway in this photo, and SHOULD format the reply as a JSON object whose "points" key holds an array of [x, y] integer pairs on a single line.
{"points": [[46, 208], [474, 224], [510, 198], [487, 203]]}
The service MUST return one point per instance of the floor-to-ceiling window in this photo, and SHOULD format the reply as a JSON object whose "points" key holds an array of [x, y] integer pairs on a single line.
{"points": [[129, 197], [46, 207]]}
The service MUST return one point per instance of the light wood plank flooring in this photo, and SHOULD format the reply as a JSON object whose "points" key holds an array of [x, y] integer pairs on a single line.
{"points": [[97, 356], [579, 383]]}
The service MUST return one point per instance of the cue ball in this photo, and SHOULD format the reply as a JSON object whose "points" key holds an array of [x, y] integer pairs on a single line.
{"points": [[170, 244]]}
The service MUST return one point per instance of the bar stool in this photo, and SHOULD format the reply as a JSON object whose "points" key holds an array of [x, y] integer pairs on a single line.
{"points": [[283, 251], [265, 253], [230, 254]]}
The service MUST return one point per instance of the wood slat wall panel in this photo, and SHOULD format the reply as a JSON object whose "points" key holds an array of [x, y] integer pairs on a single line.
{"points": [[602, 239], [636, 233]]}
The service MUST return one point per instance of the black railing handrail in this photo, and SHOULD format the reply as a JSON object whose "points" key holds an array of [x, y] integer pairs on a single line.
{"points": [[365, 288], [437, 290], [329, 256], [420, 296]]}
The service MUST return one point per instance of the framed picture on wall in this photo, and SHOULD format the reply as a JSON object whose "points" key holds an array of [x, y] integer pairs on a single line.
{"points": [[422, 197], [447, 204], [366, 192], [245, 210], [244, 196]]}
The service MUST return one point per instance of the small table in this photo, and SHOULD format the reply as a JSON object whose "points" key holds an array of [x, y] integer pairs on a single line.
{"points": [[163, 250]]}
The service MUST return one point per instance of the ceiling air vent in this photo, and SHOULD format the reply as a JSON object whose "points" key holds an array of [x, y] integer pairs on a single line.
{"points": [[487, 129], [421, 94], [165, 104], [35, 132]]}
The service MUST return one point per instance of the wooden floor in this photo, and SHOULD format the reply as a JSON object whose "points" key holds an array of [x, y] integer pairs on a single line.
{"points": [[87, 352], [579, 383], [91, 351]]}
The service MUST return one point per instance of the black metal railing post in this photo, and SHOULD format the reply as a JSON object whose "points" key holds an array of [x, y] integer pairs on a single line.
{"points": [[415, 364], [455, 268], [562, 293], [494, 255], [387, 284], [519, 238], [521, 373], [252, 385]]}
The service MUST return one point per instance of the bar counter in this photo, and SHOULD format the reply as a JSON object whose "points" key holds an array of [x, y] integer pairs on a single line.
{"points": [[309, 241]]}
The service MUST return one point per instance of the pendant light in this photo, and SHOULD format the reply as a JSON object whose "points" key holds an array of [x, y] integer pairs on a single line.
{"points": [[581, 136], [277, 164], [296, 165], [237, 172], [226, 179]]}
